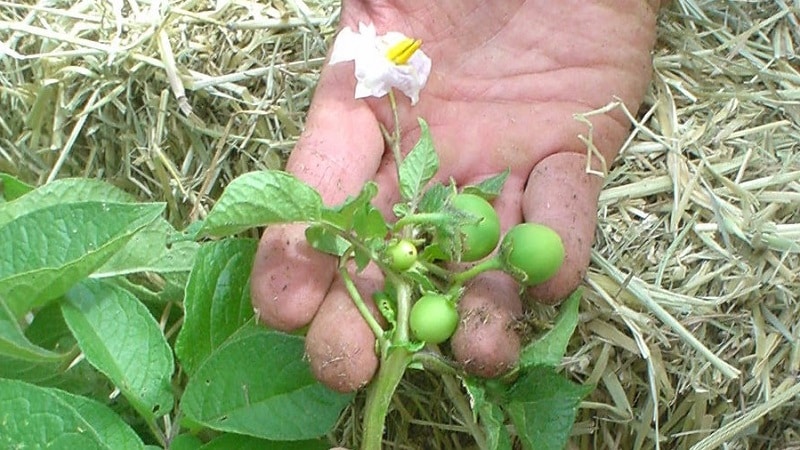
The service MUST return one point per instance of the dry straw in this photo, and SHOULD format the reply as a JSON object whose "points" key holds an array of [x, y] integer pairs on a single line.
{"points": [[690, 324]]}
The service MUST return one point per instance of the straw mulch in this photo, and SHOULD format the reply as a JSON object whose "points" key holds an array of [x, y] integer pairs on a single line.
{"points": [[689, 326]]}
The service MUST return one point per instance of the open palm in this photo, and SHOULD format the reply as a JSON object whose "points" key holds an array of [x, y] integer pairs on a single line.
{"points": [[508, 77]]}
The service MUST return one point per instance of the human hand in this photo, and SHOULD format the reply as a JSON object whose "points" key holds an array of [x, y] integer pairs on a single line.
{"points": [[507, 78]]}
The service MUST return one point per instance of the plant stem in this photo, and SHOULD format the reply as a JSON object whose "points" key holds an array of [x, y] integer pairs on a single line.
{"points": [[462, 277], [380, 396], [403, 311], [359, 302], [394, 143]]}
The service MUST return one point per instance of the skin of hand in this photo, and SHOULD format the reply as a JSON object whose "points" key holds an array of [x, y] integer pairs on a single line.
{"points": [[507, 78]]}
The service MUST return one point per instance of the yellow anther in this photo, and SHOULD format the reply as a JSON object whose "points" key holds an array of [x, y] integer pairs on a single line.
{"points": [[401, 52]]}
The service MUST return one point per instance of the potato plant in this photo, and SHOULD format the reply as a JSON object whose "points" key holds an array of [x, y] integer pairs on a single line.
{"points": [[140, 336]]}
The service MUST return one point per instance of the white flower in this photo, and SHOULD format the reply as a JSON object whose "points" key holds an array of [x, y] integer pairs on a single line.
{"points": [[383, 62]]}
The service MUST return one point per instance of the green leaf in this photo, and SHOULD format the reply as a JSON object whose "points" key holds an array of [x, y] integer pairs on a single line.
{"points": [[549, 350], [120, 338], [185, 442], [262, 198], [12, 187], [435, 198], [343, 215], [369, 223], [542, 405], [21, 359], [150, 251], [229, 441], [324, 240], [61, 192], [259, 384], [48, 329], [45, 252], [489, 188], [217, 300], [37, 417], [419, 166]]}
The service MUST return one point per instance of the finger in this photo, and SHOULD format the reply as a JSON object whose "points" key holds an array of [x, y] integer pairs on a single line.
{"points": [[336, 156], [486, 341], [339, 344], [562, 195]]}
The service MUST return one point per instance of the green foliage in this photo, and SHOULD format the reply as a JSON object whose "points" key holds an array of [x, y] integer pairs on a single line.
{"points": [[489, 188], [12, 188], [37, 417], [98, 288], [542, 405], [549, 350], [257, 383], [419, 166], [45, 252], [217, 300], [262, 198], [122, 340]]}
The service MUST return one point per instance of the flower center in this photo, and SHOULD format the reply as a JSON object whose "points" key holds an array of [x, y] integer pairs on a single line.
{"points": [[401, 52]]}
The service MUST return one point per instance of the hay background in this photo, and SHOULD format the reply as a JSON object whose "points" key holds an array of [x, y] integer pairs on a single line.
{"points": [[699, 230]]}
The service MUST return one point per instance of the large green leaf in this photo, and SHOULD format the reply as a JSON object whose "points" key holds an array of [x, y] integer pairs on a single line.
{"points": [[123, 341], [549, 350], [542, 405], [259, 384], [45, 252], [37, 417], [262, 198], [61, 192], [149, 251], [217, 301], [228, 441]]}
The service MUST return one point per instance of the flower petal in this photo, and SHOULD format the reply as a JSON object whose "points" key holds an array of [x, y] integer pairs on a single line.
{"points": [[346, 46]]}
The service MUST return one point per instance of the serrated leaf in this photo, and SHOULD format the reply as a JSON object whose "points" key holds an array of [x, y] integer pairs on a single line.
{"points": [[323, 240], [262, 198], [343, 215], [217, 300], [435, 198], [37, 417], [149, 250], [12, 187], [45, 252], [121, 339], [542, 406], [259, 384], [489, 188], [61, 192], [550, 349], [419, 166], [368, 223], [229, 441]]}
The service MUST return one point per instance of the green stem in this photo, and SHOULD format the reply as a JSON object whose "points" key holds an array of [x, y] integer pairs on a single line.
{"points": [[403, 311], [435, 269], [380, 396], [462, 277], [395, 141], [359, 302]]}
